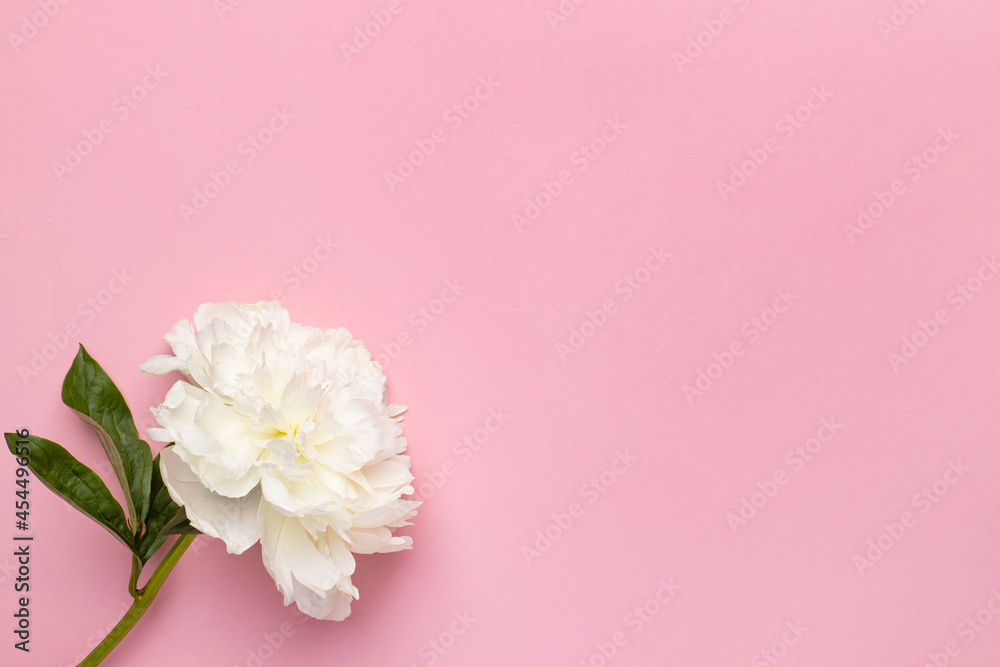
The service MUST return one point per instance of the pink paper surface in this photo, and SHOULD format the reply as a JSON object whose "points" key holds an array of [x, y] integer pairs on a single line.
{"points": [[693, 304]]}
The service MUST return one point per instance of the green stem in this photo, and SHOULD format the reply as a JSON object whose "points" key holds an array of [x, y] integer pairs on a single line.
{"points": [[133, 581], [143, 598]]}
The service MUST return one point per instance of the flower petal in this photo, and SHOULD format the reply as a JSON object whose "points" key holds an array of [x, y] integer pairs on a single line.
{"points": [[291, 555], [161, 364], [335, 606], [233, 520]]}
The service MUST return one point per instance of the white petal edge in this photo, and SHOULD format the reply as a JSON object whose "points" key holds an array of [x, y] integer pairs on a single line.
{"points": [[161, 364], [232, 520], [335, 606], [291, 556]]}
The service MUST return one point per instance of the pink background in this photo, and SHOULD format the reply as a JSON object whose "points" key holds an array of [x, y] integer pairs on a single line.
{"points": [[787, 577]]}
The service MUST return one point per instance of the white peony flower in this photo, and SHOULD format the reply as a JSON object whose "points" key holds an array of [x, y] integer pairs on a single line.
{"points": [[284, 435]]}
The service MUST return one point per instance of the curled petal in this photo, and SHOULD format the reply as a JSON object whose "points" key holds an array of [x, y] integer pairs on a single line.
{"points": [[232, 520], [293, 557], [334, 606], [161, 364]]}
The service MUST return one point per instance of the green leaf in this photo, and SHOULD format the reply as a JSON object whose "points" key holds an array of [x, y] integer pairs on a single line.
{"points": [[74, 482], [89, 391], [183, 527], [165, 516]]}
